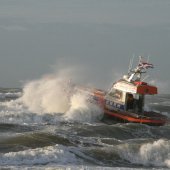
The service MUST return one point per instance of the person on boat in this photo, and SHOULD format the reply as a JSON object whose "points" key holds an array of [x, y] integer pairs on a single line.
{"points": [[130, 102]]}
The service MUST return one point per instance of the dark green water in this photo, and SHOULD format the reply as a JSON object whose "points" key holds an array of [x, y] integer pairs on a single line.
{"points": [[48, 140]]}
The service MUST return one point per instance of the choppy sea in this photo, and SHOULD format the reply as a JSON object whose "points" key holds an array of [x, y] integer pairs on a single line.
{"points": [[38, 130]]}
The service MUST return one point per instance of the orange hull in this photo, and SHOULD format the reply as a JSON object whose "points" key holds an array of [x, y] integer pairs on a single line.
{"points": [[158, 121], [149, 118]]}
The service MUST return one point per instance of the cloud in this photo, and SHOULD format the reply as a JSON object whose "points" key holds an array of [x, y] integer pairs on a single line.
{"points": [[13, 28]]}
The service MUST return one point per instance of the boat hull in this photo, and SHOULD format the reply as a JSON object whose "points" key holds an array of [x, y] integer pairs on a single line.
{"points": [[149, 118], [98, 97], [135, 118]]}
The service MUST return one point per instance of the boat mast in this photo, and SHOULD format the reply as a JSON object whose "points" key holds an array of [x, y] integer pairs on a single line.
{"points": [[139, 70]]}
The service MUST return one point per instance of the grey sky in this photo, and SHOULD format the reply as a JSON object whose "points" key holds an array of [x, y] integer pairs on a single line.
{"points": [[98, 35]]}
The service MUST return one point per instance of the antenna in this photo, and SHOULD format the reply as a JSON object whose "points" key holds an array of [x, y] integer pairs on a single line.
{"points": [[140, 58], [145, 77], [141, 68], [131, 63], [148, 59]]}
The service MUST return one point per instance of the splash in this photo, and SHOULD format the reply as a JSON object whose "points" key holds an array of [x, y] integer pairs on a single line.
{"points": [[149, 154], [83, 111], [55, 94], [46, 95]]}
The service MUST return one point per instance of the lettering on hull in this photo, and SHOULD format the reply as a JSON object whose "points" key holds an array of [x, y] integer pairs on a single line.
{"points": [[113, 105]]}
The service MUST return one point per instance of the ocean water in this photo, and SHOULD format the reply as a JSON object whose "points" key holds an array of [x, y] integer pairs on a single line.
{"points": [[42, 128]]}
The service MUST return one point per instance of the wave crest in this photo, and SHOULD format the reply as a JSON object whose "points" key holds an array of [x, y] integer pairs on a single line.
{"points": [[55, 94]]}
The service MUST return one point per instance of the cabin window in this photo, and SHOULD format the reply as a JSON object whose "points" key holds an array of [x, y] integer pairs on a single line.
{"points": [[116, 94], [130, 102], [135, 103]]}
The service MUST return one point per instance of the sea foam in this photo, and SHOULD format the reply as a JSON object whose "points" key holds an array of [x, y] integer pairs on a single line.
{"points": [[56, 94], [52, 154], [156, 153]]}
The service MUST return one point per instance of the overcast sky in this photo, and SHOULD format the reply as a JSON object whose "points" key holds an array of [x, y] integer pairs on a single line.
{"points": [[99, 36]]}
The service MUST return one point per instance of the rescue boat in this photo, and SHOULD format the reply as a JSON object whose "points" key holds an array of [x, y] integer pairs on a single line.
{"points": [[125, 100]]}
